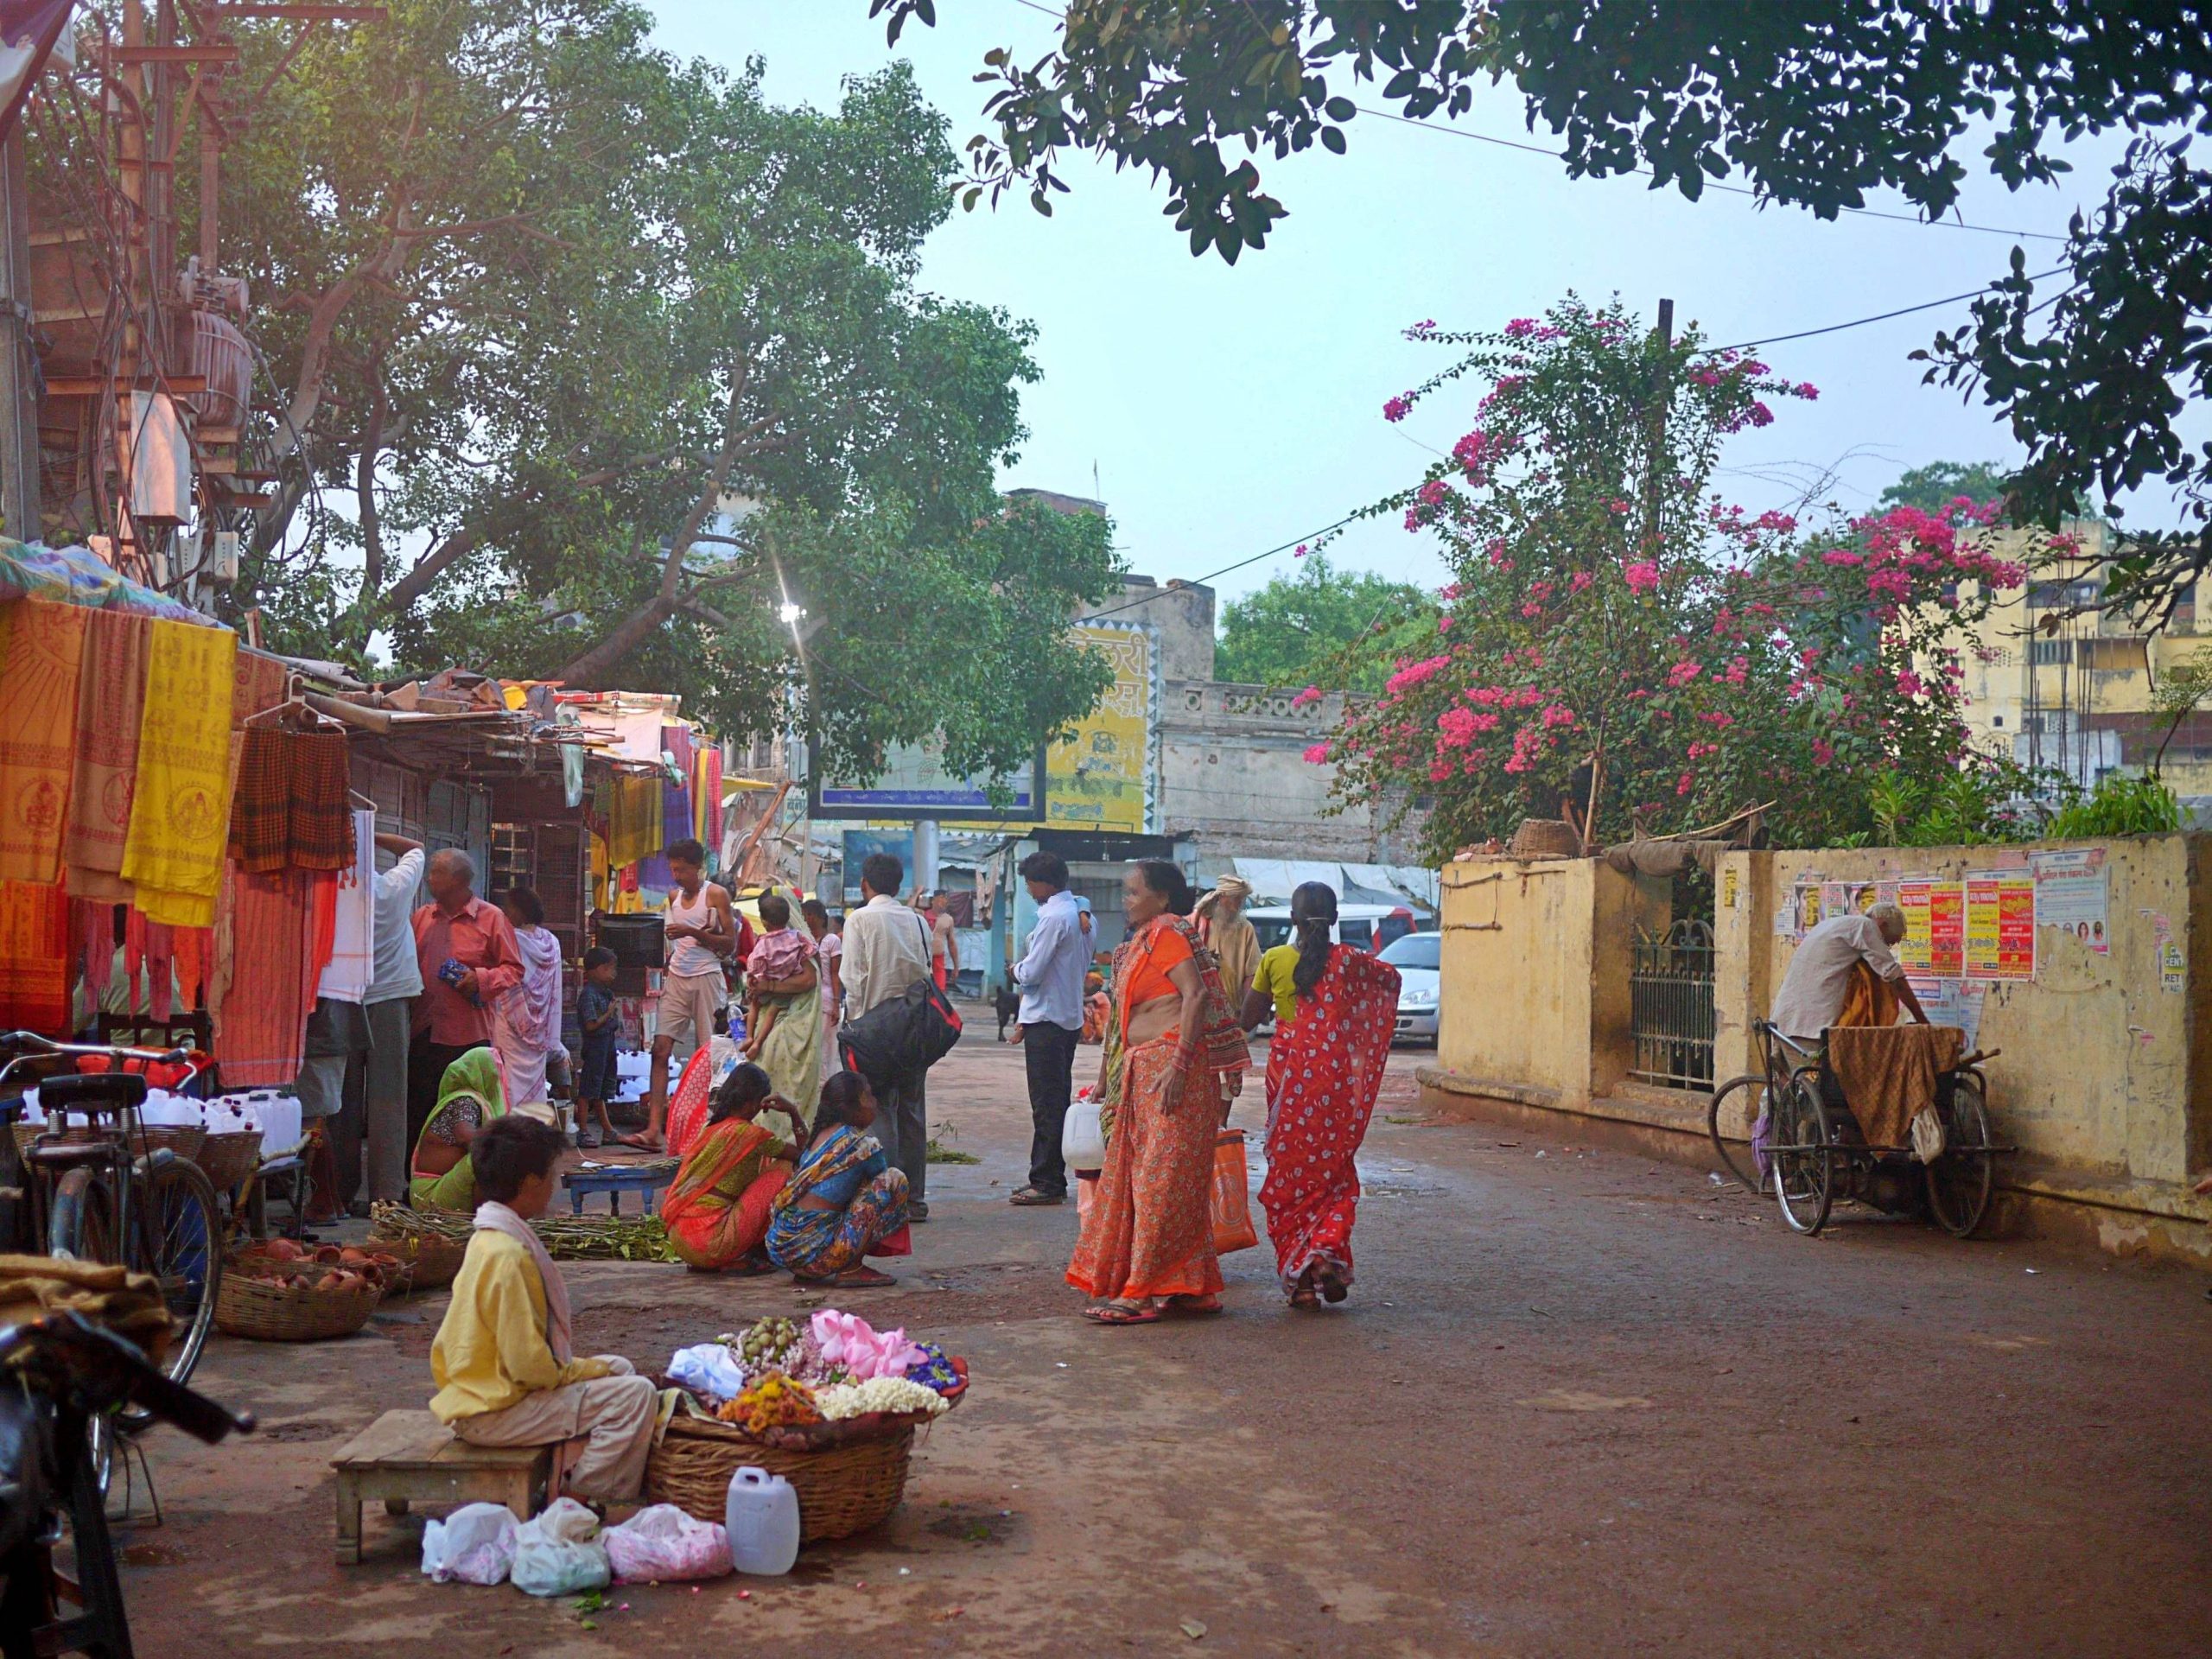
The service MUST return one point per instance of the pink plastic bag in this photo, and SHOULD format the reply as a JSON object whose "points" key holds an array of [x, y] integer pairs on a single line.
{"points": [[663, 1543]]}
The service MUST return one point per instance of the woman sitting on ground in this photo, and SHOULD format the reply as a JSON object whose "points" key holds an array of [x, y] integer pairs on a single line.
{"points": [[717, 1208], [471, 1095], [844, 1201]]}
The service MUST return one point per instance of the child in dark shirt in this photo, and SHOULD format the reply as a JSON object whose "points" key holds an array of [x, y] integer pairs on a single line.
{"points": [[596, 1013]]}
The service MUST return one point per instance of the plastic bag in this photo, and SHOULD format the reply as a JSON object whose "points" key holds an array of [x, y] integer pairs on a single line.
{"points": [[473, 1545], [663, 1542], [708, 1369], [559, 1554], [1232, 1206], [1083, 1142]]}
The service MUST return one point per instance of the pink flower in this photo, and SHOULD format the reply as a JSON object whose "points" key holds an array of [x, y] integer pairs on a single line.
{"points": [[1433, 493], [1412, 674], [1311, 694], [1558, 715], [1909, 683], [1838, 555], [1580, 580], [1806, 390], [1532, 608], [1821, 752], [1301, 551], [847, 1339], [1683, 672], [1459, 726], [1642, 576], [1717, 719], [1738, 668], [1444, 623], [1317, 755], [1439, 771], [1616, 506], [1399, 407], [1520, 327], [1688, 782]]}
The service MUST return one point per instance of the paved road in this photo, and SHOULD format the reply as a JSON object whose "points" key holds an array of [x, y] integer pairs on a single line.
{"points": [[1579, 1404]]}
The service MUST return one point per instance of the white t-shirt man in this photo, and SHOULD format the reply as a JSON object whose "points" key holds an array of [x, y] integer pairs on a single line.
{"points": [[1814, 989]]}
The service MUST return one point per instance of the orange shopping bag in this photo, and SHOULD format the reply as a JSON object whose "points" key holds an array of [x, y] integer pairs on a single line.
{"points": [[1232, 1208]]}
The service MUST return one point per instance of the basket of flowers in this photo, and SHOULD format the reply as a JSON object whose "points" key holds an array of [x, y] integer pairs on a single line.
{"points": [[832, 1408]]}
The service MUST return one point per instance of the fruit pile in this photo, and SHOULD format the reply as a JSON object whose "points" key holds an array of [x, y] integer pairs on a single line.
{"points": [[328, 1266]]}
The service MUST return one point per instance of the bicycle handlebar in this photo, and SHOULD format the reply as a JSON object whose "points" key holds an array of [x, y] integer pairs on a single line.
{"points": [[42, 1045], [66, 1350]]}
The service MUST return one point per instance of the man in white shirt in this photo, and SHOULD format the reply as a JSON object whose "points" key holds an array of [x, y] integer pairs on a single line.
{"points": [[1819, 979], [886, 948], [1049, 974], [376, 1085]]}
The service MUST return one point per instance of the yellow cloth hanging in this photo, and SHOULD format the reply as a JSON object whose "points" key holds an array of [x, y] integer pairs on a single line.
{"points": [[180, 807], [633, 826]]}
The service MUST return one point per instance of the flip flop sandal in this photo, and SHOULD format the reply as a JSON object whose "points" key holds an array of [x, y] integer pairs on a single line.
{"points": [[1030, 1195], [1333, 1288], [1108, 1313]]}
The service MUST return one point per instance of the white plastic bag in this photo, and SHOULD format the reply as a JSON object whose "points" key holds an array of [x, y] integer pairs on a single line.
{"points": [[708, 1369], [559, 1554], [1083, 1142], [663, 1542], [473, 1545]]}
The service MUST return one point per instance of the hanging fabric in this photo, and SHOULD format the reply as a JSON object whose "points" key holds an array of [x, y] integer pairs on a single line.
{"points": [[572, 759], [41, 649], [180, 806], [261, 1024], [291, 806], [346, 978], [110, 704], [192, 946]]}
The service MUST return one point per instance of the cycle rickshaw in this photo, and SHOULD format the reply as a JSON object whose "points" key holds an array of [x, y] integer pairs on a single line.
{"points": [[1811, 1150]]}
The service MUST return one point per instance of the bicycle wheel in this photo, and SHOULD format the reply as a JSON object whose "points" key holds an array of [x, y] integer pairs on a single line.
{"points": [[1958, 1182], [81, 1223], [1803, 1155], [180, 1242], [1735, 1107]]}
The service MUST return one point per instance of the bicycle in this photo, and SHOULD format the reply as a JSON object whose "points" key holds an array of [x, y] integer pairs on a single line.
{"points": [[1738, 1104], [144, 1209], [58, 1377]]}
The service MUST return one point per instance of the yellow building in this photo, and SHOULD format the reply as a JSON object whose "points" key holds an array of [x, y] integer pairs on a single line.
{"points": [[2080, 699]]}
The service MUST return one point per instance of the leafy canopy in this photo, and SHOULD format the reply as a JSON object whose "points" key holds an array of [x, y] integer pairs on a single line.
{"points": [[1322, 626], [595, 364], [1817, 103], [1610, 616]]}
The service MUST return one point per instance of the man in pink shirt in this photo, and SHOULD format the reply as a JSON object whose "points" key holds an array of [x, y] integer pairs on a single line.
{"points": [[468, 956]]}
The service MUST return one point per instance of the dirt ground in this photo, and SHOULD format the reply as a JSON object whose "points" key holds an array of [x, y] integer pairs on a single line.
{"points": [[1579, 1404]]}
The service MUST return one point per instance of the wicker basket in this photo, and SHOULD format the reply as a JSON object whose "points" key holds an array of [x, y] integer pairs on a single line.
{"points": [[228, 1157], [1546, 838], [185, 1139], [845, 1489], [262, 1310], [26, 1132], [427, 1261]]}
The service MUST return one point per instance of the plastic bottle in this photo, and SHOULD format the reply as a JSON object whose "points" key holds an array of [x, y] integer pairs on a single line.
{"points": [[762, 1520]]}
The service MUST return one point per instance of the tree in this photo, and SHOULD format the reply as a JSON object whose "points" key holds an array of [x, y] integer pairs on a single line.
{"points": [[1604, 603], [1320, 627], [1816, 104], [623, 372], [1934, 487]]}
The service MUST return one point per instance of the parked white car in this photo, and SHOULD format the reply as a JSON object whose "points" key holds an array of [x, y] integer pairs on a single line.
{"points": [[1419, 958]]}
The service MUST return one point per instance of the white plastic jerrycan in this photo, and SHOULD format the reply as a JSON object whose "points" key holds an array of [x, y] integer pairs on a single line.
{"points": [[762, 1520]]}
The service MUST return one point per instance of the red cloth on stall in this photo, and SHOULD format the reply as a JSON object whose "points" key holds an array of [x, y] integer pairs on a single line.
{"points": [[35, 957]]}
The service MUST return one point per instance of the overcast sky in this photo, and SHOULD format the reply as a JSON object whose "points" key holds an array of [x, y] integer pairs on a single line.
{"points": [[1226, 410]]}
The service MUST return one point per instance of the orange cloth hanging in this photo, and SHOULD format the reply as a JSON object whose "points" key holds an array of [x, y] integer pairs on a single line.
{"points": [[35, 957], [41, 648], [110, 704]]}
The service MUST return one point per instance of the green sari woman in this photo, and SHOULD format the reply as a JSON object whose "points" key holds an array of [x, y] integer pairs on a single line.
{"points": [[469, 1096]]}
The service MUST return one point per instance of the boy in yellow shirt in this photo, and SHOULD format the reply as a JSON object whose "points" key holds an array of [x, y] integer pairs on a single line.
{"points": [[505, 1373]]}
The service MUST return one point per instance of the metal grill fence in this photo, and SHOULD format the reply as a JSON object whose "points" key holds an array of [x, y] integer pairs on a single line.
{"points": [[1670, 1007]]}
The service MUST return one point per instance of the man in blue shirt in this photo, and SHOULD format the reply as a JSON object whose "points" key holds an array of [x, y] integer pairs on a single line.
{"points": [[1050, 975]]}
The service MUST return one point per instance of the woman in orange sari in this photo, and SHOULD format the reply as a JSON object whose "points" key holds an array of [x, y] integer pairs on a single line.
{"points": [[717, 1208], [1175, 1057]]}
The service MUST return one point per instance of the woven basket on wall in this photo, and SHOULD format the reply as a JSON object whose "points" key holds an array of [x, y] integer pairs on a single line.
{"points": [[841, 1491], [265, 1310], [1546, 838]]}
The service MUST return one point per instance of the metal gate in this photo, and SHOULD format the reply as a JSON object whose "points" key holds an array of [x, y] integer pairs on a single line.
{"points": [[1670, 1007]]}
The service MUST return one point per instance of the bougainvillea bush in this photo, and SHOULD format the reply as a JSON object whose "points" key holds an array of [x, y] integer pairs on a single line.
{"points": [[1607, 601]]}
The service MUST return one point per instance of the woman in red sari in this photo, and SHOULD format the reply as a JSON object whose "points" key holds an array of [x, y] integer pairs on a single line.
{"points": [[1174, 1060], [1335, 1010], [717, 1209]]}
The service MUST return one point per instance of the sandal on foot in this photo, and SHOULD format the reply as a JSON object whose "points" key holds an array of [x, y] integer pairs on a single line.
{"points": [[1122, 1313], [1192, 1307], [1037, 1195], [1333, 1287]]}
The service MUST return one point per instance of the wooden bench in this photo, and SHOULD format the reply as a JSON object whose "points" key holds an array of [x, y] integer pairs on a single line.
{"points": [[409, 1456], [615, 1179]]}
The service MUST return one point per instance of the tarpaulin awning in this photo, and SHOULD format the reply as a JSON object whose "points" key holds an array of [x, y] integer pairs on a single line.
{"points": [[77, 575]]}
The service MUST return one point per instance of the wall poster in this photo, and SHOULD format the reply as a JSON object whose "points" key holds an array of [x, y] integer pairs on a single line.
{"points": [[2072, 894], [2000, 924]]}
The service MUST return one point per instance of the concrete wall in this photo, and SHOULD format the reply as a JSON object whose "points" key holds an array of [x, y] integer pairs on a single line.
{"points": [[1182, 616], [2104, 1080]]}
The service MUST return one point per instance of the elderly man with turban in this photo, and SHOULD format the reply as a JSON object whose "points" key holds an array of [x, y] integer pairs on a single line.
{"points": [[1220, 916]]}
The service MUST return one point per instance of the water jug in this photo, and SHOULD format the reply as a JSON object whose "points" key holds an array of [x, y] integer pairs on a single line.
{"points": [[762, 1520]]}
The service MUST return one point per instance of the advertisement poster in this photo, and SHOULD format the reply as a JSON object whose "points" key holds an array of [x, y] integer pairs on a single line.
{"points": [[1101, 775], [2000, 924], [1809, 910], [2071, 894], [1913, 950], [1952, 1003], [1934, 926]]}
